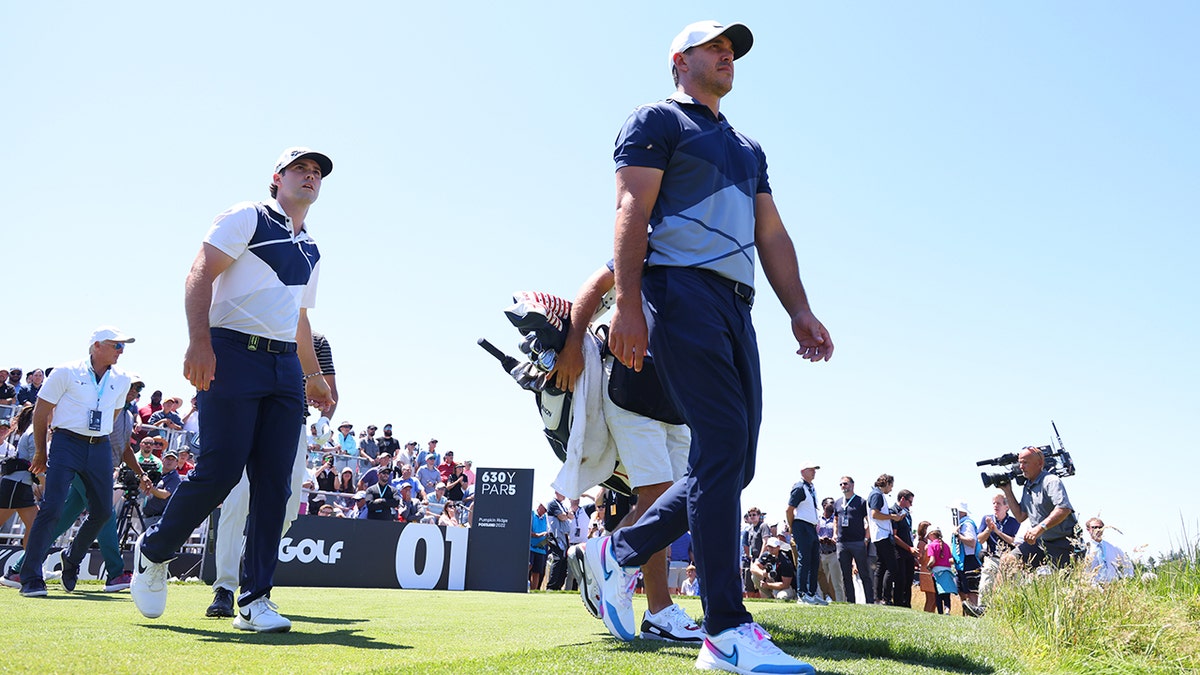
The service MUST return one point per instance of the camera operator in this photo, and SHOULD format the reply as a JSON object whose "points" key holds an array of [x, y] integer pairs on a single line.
{"points": [[1044, 499], [773, 572], [162, 491]]}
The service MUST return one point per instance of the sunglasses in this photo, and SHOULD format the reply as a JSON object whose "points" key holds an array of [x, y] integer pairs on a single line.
{"points": [[119, 346]]}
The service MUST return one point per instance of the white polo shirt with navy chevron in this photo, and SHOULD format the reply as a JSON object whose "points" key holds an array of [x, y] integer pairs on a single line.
{"points": [[273, 275]]}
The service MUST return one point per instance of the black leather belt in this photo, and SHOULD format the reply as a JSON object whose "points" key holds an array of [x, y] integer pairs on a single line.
{"points": [[743, 291], [90, 440], [256, 343]]}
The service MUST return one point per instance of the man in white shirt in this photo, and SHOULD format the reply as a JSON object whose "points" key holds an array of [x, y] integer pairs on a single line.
{"points": [[1104, 562], [250, 348], [81, 400]]}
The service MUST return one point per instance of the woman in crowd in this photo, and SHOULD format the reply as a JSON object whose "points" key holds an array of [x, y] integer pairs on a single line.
{"points": [[449, 517], [17, 486], [886, 564], [924, 576], [457, 484], [347, 485]]}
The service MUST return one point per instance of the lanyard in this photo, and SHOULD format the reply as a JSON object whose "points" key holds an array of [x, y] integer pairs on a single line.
{"points": [[100, 385]]}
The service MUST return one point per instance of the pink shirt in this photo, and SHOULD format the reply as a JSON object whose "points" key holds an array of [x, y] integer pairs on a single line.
{"points": [[939, 551]]}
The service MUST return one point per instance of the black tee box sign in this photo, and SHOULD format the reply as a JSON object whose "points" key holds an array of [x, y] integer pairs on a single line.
{"points": [[498, 558], [491, 555]]}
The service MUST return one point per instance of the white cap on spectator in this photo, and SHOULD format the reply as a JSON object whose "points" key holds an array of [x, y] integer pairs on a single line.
{"points": [[774, 541], [360, 495]]}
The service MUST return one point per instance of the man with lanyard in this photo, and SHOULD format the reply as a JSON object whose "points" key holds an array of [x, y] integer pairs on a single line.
{"points": [[236, 507], [117, 577], [247, 299], [802, 514], [693, 206], [82, 400], [998, 530], [1045, 501], [850, 533]]}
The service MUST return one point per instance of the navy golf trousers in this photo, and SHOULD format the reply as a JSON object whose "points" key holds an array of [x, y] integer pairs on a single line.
{"points": [[70, 457], [706, 353], [250, 420], [808, 552]]}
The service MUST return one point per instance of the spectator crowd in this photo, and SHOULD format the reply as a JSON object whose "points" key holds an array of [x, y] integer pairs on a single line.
{"points": [[848, 547], [350, 475], [830, 549]]}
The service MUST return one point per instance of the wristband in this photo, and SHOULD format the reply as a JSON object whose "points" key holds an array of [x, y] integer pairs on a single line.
{"points": [[312, 375]]}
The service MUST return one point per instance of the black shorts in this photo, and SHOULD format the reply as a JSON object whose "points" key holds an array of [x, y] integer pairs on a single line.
{"points": [[537, 562], [16, 495]]}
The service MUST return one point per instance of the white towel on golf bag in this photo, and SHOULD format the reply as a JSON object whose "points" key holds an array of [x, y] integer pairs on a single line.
{"points": [[591, 452]]}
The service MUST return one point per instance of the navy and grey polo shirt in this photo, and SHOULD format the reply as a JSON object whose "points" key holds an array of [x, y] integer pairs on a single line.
{"points": [[273, 275], [704, 216]]}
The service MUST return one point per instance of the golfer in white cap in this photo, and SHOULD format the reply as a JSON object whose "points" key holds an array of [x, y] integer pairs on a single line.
{"points": [[694, 211]]}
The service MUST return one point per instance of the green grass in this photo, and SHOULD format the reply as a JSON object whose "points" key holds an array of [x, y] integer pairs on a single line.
{"points": [[385, 631], [1063, 623]]}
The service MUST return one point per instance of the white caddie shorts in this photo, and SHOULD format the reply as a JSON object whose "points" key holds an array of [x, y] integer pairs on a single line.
{"points": [[651, 451]]}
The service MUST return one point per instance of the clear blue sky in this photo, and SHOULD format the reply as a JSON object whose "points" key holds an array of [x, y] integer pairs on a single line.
{"points": [[994, 209]]}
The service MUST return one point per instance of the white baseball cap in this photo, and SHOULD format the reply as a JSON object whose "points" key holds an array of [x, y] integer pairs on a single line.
{"points": [[293, 154], [702, 31], [109, 333]]}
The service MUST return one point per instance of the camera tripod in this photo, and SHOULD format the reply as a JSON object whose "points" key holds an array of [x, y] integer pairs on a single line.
{"points": [[130, 510]]}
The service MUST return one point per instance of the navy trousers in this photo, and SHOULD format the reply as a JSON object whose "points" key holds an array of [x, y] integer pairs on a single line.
{"points": [[250, 420], [706, 353], [69, 457], [808, 552]]}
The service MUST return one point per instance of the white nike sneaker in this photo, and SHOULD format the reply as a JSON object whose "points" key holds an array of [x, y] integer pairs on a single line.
{"points": [[672, 624], [148, 587], [588, 592], [747, 649], [614, 586], [260, 616]]}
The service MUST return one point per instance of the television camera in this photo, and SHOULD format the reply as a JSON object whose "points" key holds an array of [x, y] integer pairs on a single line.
{"points": [[1058, 461]]}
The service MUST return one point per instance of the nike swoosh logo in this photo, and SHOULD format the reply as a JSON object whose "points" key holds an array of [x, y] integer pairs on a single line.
{"points": [[731, 657], [604, 562]]}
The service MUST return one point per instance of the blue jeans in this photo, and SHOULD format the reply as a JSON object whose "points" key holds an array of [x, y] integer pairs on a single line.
{"points": [[251, 418], [706, 352], [70, 459]]}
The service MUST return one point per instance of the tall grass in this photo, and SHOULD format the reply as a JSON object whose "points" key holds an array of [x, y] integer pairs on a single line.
{"points": [[1062, 622]]}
